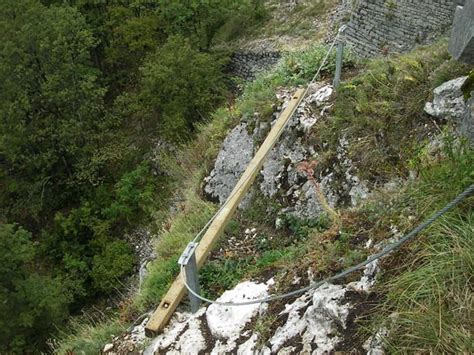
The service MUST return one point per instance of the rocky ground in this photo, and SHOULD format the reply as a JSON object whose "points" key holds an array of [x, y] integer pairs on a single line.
{"points": [[319, 321]]}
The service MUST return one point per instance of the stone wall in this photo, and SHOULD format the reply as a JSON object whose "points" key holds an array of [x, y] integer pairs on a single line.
{"points": [[247, 64], [394, 26]]}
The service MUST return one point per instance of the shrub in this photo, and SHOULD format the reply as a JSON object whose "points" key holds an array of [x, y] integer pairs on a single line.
{"points": [[115, 261], [299, 67]]}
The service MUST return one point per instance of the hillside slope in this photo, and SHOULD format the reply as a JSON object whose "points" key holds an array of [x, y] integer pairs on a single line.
{"points": [[286, 242], [383, 165]]}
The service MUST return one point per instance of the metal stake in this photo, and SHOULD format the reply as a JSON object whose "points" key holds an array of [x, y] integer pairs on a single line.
{"points": [[339, 54], [188, 261]]}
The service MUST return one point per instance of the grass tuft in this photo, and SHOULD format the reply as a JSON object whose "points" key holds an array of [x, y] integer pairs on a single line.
{"points": [[87, 336]]}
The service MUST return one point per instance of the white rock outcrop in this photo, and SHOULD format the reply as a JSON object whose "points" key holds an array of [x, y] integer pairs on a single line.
{"points": [[448, 101], [449, 104], [236, 152]]}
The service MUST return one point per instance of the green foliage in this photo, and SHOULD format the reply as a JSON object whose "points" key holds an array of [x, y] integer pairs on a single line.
{"points": [[133, 193], [218, 276], [87, 88], [31, 302], [295, 68], [115, 261], [50, 107], [444, 179], [87, 335], [246, 17], [184, 227], [225, 273], [428, 294], [181, 85], [300, 229], [200, 20], [299, 67], [468, 86], [430, 299], [83, 239], [131, 36]]}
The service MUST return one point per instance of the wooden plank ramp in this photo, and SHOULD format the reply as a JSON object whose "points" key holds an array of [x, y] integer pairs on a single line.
{"points": [[160, 318]]}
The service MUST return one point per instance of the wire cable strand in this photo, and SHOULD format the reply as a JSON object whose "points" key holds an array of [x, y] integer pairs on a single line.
{"points": [[389, 248]]}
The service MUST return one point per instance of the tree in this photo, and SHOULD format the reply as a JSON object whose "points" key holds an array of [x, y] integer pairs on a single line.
{"points": [[199, 20], [50, 107], [31, 302], [131, 36], [181, 86]]}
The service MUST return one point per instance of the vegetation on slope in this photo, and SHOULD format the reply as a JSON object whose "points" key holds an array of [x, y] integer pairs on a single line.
{"points": [[399, 87], [87, 91], [428, 304], [187, 170]]}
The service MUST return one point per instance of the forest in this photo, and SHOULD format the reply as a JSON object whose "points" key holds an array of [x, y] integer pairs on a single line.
{"points": [[88, 89]]}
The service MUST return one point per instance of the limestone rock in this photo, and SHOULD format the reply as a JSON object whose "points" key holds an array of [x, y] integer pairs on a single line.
{"points": [[317, 319], [279, 172], [108, 347], [448, 101], [227, 322], [215, 329], [280, 178], [234, 156]]}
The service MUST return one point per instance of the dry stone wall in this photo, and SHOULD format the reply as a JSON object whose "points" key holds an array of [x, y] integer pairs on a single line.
{"points": [[393, 26], [247, 64]]}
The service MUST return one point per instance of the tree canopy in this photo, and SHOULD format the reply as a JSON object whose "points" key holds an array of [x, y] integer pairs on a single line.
{"points": [[87, 90]]}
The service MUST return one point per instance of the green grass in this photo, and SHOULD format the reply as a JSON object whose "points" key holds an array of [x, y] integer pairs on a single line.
{"points": [[225, 273], [430, 292], [380, 111], [183, 228], [87, 336], [296, 68], [433, 300]]}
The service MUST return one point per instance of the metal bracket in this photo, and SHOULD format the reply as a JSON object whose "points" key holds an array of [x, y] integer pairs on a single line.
{"points": [[187, 253], [188, 261]]}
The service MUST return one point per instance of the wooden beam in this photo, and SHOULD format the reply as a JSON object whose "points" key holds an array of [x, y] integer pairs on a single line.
{"points": [[159, 319]]}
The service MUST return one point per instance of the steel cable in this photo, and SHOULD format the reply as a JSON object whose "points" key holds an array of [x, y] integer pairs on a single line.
{"points": [[389, 248]]}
